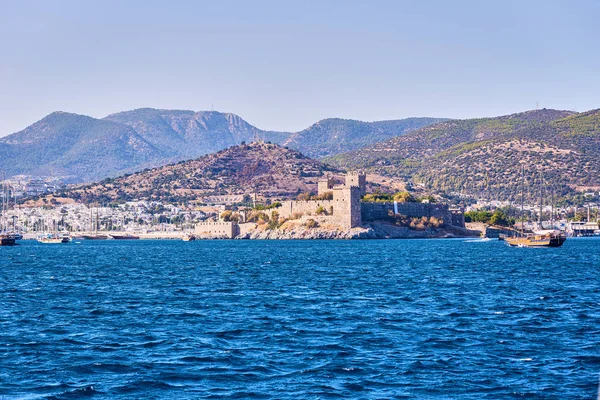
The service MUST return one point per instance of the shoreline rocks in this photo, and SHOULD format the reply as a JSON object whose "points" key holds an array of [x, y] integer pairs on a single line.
{"points": [[372, 231]]}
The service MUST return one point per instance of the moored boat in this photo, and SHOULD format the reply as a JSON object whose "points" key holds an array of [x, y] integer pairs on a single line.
{"points": [[95, 237], [124, 237], [7, 239], [189, 238], [53, 238]]}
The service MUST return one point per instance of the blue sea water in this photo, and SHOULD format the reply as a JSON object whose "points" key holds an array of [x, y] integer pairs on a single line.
{"points": [[299, 319]]}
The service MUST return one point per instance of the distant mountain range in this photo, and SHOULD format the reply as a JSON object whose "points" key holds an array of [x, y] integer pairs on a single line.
{"points": [[332, 136], [87, 149], [483, 157]]}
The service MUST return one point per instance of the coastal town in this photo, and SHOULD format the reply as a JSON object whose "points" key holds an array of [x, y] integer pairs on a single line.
{"points": [[340, 208]]}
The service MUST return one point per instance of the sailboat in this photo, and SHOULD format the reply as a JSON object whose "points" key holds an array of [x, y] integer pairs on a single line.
{"points": [[53, 237], [94, 235], [6, 238], [540, 238]]}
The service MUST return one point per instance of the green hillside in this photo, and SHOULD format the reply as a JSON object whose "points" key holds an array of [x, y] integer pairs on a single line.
{"points": [[332, 136], [483, 157]]}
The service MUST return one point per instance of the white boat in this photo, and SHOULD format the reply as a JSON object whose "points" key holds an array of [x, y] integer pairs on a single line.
{"points": [[53, 238]]}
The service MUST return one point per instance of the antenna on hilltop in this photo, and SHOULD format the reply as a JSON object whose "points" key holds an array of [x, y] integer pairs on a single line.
{"points": [[537, 105], [212, 107]]}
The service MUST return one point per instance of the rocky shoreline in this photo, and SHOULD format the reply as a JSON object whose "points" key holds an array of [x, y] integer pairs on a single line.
{"points": [[371, 231]]}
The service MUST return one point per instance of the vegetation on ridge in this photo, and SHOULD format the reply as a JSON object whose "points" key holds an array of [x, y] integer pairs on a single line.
{"points": [[483, 158]]}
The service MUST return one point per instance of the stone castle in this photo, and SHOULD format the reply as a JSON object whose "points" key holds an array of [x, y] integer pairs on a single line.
{"points": [[341, 205], [347, 210], [343, 209]]}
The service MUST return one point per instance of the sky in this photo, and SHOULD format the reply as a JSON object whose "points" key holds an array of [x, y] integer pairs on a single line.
{"points": [[283, 65]]}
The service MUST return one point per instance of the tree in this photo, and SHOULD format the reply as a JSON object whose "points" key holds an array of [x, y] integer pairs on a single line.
{"points": [[404, 197], [499, 218], [247, 199], [226, 215], [478, 216]]}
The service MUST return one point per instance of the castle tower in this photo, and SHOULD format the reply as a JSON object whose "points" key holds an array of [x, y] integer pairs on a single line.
{"points": [[324, 185], [347, 205], [358, 179]]}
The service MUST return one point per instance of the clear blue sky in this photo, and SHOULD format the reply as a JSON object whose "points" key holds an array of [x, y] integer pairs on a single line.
{"points": [[286, 64]]}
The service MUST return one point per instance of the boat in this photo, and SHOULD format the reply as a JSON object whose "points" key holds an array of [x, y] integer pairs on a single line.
{"points": [[95, 237], [124, 237], [189, 238], [7, 239], [552, 238], [541, 238], [53, 238]]}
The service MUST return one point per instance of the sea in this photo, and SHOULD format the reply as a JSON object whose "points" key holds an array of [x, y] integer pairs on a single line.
{"points": [[372, 319]]}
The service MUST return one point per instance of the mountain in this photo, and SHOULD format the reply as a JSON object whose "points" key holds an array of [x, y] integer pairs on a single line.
{"points": [[262, 168], [88, 149], [332, 136], [483, 157], [189, 134], [64, 144]]}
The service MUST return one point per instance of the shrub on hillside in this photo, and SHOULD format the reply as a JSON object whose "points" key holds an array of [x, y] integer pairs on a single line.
{"points": [[311, 223]]}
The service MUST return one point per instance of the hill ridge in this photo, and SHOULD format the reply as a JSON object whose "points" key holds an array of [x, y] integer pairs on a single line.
{"points": [[481, 156], [87, 148], [264, 168]]}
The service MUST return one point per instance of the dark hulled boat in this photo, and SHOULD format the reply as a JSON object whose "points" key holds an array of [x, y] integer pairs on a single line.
{"points": [[124, 237], [95, 237], [7, 240]]}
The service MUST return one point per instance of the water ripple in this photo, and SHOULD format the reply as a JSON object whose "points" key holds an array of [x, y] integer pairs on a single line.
{"points": [[308, 319]]}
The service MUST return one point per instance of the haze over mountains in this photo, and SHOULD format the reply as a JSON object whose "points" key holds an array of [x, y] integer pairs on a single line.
{"points": [[86, 148]]}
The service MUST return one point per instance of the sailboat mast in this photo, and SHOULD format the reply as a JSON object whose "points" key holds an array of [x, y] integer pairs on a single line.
{"points": [[2, 210], [552, 216], [541, 198], [522, 200]]}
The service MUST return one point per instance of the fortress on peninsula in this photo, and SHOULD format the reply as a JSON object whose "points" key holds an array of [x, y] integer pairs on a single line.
{"points": [[344, 207], [341, 205]]}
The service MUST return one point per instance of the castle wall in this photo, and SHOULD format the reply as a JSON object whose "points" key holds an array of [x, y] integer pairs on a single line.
{"points": [[217, 229], [380, 211], [458, 218], [345, 206], [288, 208]]}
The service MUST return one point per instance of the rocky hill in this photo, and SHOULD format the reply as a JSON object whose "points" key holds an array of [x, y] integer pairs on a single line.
{"points": [[87, 149], [334, 135], [483, 157], [261, 168], [188, 134]]}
